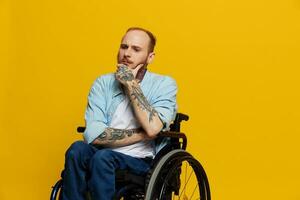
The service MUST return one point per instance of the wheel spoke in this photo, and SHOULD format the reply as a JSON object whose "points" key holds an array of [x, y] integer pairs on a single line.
{"points": [[194, 191], [186, 183], [185, 175], [175, 176]]}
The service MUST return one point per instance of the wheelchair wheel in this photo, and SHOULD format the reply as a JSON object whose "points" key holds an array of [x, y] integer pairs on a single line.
{"points": [[178, 176], [55, 194], [56, 191]]}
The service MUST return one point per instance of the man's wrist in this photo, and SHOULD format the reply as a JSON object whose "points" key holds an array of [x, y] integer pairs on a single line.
{"points": [[130, 84]]}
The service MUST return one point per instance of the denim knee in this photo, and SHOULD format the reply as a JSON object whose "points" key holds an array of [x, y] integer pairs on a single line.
{"points": [[103, 158], [77, 149]]}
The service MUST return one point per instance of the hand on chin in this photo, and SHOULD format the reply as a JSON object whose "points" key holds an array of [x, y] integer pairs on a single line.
{"points": [[132, 66], [137, 68]]}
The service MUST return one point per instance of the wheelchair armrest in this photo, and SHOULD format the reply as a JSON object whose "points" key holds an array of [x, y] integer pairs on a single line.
{"points": [[182, 117], [176, 135], [80, 129], [175, 126]]}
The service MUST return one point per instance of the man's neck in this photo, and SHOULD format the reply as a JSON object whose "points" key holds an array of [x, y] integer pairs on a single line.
{"points": [[140, 74]]}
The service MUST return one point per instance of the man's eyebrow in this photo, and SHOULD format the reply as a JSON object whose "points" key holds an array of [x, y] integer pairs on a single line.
{"points": [[136, 47], [132, 46]]}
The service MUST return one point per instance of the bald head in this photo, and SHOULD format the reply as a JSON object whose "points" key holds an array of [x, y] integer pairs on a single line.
{"points": [[152, 38]]}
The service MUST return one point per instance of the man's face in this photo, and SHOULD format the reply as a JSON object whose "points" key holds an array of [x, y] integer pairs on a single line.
{"points": [[134, 51]]}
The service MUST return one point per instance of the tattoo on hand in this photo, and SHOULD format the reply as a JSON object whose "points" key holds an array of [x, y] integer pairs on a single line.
{"points": [[124, 74], [142, 101]]}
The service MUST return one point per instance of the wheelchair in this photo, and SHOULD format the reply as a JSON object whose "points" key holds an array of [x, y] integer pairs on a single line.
{"points": [[174, 173]]}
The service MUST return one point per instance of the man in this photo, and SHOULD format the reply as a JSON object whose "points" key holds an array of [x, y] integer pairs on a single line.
{"points": [[125, 111]]}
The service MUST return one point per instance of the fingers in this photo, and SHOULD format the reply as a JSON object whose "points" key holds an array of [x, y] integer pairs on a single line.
{"points": [[124, 74], [121, 65], [122, 68], [137, 68]]}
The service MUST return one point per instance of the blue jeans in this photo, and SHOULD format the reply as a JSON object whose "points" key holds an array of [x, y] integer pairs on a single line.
{"points": [[88, 168]]}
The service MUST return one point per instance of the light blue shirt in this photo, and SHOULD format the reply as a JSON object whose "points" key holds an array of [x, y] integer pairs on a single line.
{"points": [[106, 94]]}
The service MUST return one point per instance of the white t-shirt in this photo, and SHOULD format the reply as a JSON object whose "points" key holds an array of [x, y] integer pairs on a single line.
{"points": [[124, 118]]}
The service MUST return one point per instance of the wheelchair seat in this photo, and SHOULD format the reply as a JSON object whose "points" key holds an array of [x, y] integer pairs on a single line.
{"points": [[174, 173]]}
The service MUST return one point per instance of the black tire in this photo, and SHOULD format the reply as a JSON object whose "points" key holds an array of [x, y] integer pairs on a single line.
{"points": [[55, 194], [166, 179]]}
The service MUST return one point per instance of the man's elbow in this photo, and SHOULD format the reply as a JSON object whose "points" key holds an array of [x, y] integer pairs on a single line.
{"points": [[96, 142], [153, 130]]}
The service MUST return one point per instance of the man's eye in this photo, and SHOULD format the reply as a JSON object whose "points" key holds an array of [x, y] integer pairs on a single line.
{"points": [[123, 46]]}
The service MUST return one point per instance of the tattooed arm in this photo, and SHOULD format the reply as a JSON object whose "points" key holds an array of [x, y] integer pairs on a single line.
{"points": [[119, 137], [146, 115]]}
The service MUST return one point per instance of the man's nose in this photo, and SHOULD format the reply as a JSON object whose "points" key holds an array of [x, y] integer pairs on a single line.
{"points": [[127, 53]]}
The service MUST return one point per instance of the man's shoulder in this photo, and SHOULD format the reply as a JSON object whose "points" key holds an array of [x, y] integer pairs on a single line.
{"points": [[160, 78], [104, 82], [105, 79]]}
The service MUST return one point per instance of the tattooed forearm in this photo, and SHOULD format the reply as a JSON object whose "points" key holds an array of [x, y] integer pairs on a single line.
{"points": [[111, 135], [142, 102]]}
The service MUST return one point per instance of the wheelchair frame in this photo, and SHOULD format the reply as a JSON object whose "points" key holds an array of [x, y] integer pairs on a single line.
{"points": [[167, 159]]}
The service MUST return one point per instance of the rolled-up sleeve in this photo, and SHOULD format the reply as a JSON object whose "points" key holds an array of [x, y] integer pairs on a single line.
{"points": [[165, 102], [95, 119]]}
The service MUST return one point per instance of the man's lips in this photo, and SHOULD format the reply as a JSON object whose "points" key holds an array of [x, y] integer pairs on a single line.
{"points": [[126, 62]]}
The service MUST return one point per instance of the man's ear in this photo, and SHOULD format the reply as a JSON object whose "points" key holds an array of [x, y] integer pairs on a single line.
{"points": [[150, 57]]}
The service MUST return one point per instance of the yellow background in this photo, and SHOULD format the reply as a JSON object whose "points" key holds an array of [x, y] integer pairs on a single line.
{"points": [[236, 64]]}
